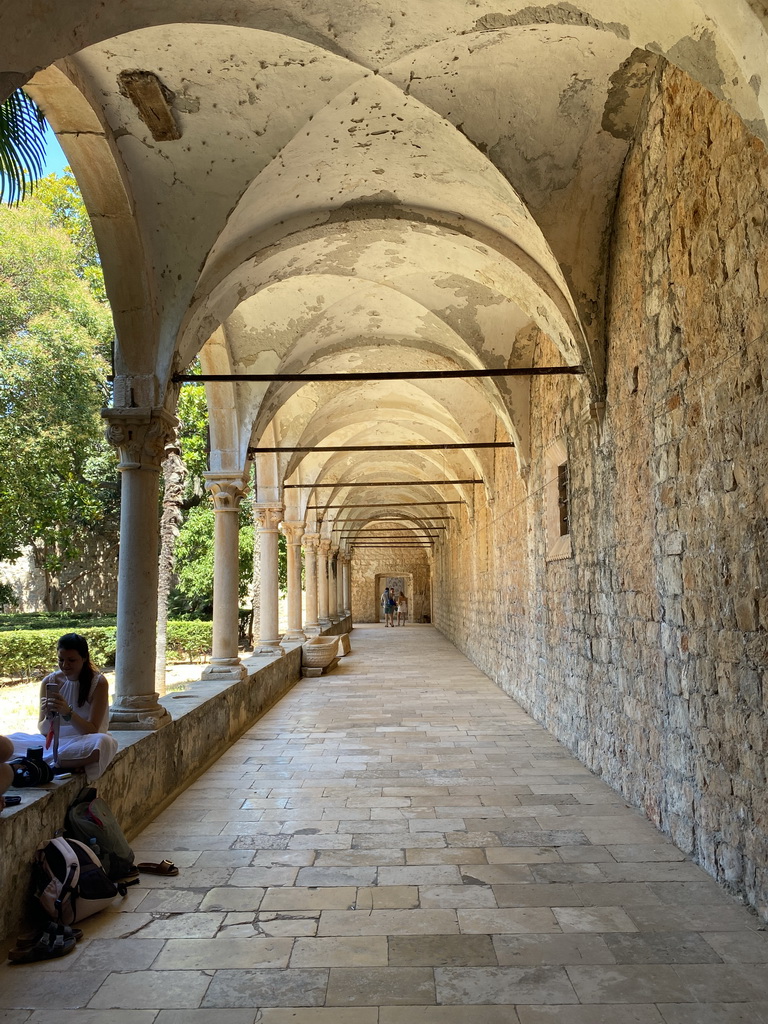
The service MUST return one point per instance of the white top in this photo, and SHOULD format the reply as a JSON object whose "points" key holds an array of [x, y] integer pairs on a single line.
{"points": [[69, 689]]}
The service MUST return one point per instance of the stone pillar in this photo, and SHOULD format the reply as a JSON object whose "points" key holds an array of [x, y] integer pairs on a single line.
{"points": [[345, 584], [311, 626], [333, 600], [140, 436], [293, 533], [228, 490], [322, 584], [268, 517], [340, 559]]}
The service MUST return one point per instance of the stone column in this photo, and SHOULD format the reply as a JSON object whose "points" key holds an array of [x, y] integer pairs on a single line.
{"points": [[322, 583], [268, 517], [346, 570], [340, 559], [140, 436], [333, 601], [228, 490], [311, 626], [293, 533]]}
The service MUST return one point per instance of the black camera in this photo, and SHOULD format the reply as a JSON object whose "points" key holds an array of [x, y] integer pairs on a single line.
{"points": [[31, 770]]}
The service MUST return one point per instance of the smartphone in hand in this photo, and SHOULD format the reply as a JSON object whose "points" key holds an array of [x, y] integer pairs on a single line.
{"points": [[51, 690]]}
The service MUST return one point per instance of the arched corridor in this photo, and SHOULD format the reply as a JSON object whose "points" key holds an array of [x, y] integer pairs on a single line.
{"points": [[399, 843], [480, 299]]}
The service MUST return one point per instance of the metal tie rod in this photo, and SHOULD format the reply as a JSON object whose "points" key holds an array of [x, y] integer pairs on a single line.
{"points": [[383, 483], [387, 504], [266, 378], [382, 448]]}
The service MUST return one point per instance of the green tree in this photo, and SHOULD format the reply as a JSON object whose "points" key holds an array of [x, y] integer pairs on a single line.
{"points": [[22, 146], [55, 336]]}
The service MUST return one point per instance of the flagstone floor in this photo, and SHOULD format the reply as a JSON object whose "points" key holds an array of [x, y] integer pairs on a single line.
{"points": [[399, 843]]}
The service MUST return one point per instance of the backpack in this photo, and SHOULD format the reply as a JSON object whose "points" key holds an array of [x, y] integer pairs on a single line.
{"points": [[71, 883], [90, 820]]}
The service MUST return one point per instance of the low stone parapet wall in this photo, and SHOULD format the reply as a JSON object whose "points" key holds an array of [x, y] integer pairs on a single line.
{"points": [[149, 771]]}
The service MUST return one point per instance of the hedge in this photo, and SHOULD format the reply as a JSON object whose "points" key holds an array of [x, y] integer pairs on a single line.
{"points": [[30, 653]]}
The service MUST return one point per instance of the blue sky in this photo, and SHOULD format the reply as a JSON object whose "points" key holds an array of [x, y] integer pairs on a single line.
{"points": [[55, 161]]}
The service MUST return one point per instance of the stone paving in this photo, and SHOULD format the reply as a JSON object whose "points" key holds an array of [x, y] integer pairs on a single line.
{"points": [[399, 843]]}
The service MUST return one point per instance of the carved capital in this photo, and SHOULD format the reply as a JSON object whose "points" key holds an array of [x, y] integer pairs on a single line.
{"points": [[323, 547], [140, 435], [267, 517], [293, 531], [227, 489], [311, 540]]}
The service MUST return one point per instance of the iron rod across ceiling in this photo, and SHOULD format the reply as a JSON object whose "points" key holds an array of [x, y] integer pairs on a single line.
{"points": [[387, 504], [268, 378], [383, 483], [382, 448]]}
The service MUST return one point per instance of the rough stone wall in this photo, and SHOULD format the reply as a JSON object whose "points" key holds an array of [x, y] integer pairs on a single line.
{"points": [[93, 579], [646, 651], [366, 566]]}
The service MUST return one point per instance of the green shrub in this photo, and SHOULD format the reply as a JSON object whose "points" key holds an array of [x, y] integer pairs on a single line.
{"points": [[190, 640], [25, 653], [65, 622], [30, 653]]}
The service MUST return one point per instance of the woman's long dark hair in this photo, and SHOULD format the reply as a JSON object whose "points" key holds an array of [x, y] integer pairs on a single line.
{"points": [[75, 642]]}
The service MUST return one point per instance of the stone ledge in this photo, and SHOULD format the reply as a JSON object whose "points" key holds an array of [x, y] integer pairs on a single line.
{"points": [[149, 770]]}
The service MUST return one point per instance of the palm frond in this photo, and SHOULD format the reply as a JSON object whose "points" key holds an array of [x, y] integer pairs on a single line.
{"points": [[22, 146]]}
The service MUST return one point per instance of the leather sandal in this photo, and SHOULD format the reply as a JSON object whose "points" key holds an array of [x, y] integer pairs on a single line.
{"points": [[165, 867]]}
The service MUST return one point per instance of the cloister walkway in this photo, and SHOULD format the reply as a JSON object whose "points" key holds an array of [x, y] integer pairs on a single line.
{"points": [[399, 843]]}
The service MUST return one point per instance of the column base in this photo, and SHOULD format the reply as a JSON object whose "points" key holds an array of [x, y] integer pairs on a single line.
{"points": [[269, 647], [140, 713], [312, 629], [224, 668], [324, 624], [294, 636]]}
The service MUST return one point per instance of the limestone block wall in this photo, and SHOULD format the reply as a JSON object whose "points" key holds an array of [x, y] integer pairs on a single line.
{"points": [[645, 651], [367, 565], [86, 584]]}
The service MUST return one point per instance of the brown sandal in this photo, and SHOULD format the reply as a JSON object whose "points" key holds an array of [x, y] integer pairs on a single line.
{"points": [[165, 867]]}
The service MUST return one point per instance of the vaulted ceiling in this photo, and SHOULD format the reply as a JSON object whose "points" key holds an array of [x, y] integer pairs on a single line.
{"points": [[334, 188]]}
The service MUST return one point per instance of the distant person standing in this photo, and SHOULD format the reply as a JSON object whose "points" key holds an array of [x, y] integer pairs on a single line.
{"points": [[389, 606], [402, 609]]}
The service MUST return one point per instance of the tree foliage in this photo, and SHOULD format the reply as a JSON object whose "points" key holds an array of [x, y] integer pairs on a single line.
{"points": [[22, 146], [57, 476]]}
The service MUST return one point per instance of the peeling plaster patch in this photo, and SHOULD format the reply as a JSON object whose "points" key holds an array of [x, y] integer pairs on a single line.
{"points": [[698, 57], [558, 14], [755, 83], [628, 86]]}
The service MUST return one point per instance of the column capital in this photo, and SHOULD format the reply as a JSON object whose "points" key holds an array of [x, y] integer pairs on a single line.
{"points": [[140, 435], [311, 539], [293, 531], [227, 489], [324, 546], [267, 516]]}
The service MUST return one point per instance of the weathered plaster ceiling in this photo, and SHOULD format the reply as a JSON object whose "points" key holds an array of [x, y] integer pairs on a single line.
{"points": [[364, 186]]}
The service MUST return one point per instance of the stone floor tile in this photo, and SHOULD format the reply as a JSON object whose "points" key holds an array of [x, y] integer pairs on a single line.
{"points": [[233, 898], [629, 984], [569, 873], [330, 876], [638, 1014], [429, 874], [661, 850], [388, 922], [200, 1017], [593, 919], [460, 856], [495, 874], [303, 898], [441, 951], [533, 895], [281, 858], [105, 954], [22, 989], [267, 988], [521, 855], [685, 894], [264, 876], [340, 951], [745, 947], [469, 897], [551, 950], [447, 1015], [318, 1015], [359, 858], [660, 948], [653, 871], [173, 901], [391, 986], [286, 924], [388, 897], [512, 921], [514, 985], [179, 926], [223, 952], [692, 918], [714, 1013], [141, 990], [85, 1017]]}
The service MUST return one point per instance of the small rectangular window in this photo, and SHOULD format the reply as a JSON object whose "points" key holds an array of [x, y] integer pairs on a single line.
{"points": [[563, 500]]}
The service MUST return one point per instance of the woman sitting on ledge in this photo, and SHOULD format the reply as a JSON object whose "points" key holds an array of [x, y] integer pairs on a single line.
{"points": [[78, 697]]}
